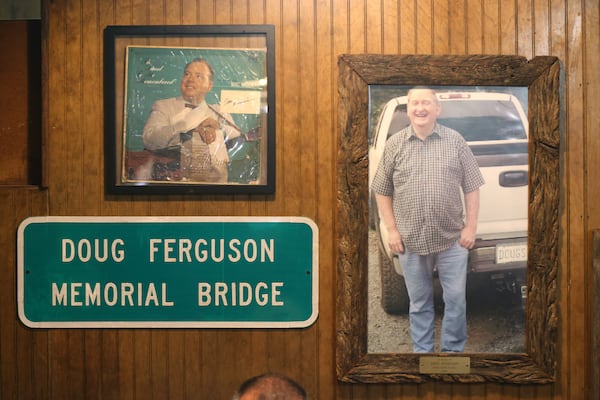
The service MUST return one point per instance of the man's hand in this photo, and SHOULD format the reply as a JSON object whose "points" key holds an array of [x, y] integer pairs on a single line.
{"points": [[207, 130], [467, 237], [395, 241]]}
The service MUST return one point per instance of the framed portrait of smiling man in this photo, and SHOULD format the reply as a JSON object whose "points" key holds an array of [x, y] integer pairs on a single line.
{"points": [[533, 136], [491, 288], [189, 109]]}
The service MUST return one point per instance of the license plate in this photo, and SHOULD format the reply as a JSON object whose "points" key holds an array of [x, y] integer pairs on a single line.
{"points": [[506, 253]]}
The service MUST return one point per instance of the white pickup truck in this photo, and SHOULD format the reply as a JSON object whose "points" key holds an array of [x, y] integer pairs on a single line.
{"points": [[496, 129]]}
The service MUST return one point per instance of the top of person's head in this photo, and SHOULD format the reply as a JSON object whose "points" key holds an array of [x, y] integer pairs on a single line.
{"points": [[202, 61], [270, 386], [422, 88]]}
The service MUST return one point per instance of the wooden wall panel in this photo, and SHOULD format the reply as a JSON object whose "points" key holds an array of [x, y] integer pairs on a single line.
{"points": [[457, 27], [491, 25], [23, 352], [474, 27], [441, 25], [310, 34], [525, 28], [507, 27], [408, 31], [424, 26], [574, 292], [592, 122], [20, 103]]}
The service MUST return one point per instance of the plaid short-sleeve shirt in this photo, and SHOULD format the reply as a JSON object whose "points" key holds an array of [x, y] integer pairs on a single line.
{"points": [[424, 179]]}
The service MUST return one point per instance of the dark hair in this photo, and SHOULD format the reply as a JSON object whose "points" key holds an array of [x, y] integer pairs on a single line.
{"points": [[203, 61], [279, 387]]}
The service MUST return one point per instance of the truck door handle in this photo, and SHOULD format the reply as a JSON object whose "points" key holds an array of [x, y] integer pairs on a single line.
{"points": [[513, 178]]}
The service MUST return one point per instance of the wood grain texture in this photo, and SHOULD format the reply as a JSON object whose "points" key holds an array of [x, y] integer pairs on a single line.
{"points": [[595, 370], [20, 103], [24, 357], [310, 35]]}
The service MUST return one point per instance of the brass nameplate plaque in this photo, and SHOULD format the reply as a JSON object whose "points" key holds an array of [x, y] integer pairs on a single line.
{"points": [[444, 365]]}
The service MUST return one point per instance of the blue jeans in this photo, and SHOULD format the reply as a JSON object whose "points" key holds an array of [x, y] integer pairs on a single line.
{"points": [[418, 271]]}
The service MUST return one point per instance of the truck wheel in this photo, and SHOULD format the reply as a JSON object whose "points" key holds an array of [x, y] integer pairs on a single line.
{"points": [[394, 297]]}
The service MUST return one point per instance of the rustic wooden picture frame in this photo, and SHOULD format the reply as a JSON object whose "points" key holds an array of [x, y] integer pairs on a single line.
{"points": [[541, 76], [229, 50]]}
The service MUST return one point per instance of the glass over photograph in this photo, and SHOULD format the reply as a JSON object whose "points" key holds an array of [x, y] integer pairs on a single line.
{"points": [[448, 201], [194, 115]]}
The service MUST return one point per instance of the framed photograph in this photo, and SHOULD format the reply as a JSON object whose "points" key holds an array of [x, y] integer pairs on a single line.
{"points": [[494, 123], [189, 109], [506, 109]]}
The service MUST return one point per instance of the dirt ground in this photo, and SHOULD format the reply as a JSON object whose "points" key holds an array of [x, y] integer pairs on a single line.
{"points": [[495, 324]]}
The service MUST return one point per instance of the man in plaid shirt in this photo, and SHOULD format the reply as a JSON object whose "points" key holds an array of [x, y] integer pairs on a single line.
{"points": [[425, 173]]}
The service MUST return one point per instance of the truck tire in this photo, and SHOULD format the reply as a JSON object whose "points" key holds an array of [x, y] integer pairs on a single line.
{"points": [[394, 297]]}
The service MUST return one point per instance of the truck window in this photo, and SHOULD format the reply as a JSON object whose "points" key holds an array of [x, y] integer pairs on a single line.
{"points": [[483, 120]]}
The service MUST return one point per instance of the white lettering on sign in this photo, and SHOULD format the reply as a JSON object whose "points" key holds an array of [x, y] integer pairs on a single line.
{"points": [[125, 294], [240, 294], [186, 251], [99, 249]]}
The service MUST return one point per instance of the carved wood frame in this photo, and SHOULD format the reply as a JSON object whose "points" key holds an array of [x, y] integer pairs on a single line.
{"points": [[541, 76]]}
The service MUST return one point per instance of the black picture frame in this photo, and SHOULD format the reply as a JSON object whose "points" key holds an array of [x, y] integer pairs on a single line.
{"points": [[143, 64], [541, 76]]}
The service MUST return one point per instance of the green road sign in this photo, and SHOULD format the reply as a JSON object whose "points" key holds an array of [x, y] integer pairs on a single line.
{"points": [[167, 272]]}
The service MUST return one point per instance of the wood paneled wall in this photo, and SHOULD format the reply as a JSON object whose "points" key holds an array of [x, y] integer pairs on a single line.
{"points": [[310, 34], [20, 103]]}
